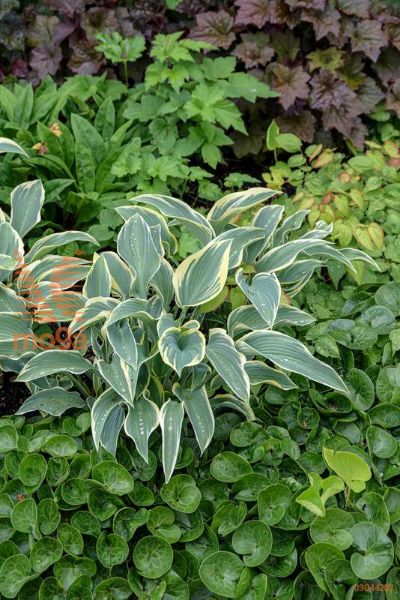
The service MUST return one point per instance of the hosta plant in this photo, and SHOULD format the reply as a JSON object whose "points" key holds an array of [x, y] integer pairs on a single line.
{"points": [[35, 284], [168, 337]]}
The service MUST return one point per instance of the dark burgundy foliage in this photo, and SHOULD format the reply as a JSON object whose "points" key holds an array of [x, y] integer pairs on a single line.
{"points": [[333, 61]]}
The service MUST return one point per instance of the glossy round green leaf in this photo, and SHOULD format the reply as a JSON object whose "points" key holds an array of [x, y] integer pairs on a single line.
{"points": [[32, 469], [44, 553], [8, 439], [48, 516], [127, 520], [114, 477], [333, 528], [61, 446], [70, 568], [115, 588], [14, 572], [317, 557], [51, 588], [252, 539], [181, 493], [161, 522], [70, 538], [111, 549], [229, 467], [102, 504], [272, 503], [374, 552], [86, 523], [220, 572], [380, 442], [152, 557], [24, 516]]}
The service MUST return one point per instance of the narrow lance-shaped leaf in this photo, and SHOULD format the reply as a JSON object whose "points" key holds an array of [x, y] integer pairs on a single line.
{"points": [[141, 421], [45, 245], [264, 292], [123, 341], [171, 419], [291, 355], [26, 203], [136, 246], [181, 212], [121, 376], [100, 411], [53, 402], [199, 411], [233, 204], [51, 362], [7, 145], [228, 362], [98, 280], [201, 276]]}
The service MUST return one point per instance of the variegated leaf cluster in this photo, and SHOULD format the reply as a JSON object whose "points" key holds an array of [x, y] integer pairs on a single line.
{"points": [[165, 337]]}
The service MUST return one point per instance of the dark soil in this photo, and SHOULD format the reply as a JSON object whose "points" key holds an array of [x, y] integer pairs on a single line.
{"points": [[12, 394]]}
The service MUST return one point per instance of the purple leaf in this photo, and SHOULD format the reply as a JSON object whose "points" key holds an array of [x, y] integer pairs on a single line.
{"points": [[45, 60], [254, 50], [369, 94], [393, 99], [301, 123], [369, 37], [260, 12], [68, 7], [324, 23], [215, 28], [356, 8], [289, 82], [98, 20]]}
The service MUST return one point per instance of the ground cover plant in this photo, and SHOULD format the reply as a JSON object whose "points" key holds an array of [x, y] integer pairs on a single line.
{"points": [[94, 140], [333, 62], [166, 334], [358, 195]]}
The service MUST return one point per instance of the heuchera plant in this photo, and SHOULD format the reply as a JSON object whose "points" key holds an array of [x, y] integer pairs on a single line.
{"points": [[168, 337]]}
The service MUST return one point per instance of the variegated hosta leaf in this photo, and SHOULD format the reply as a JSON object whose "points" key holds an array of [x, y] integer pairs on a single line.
{"points": [[10, 301], [201, 276], [322, 249], [244, 318], [355, 254], [171, 418], [7, 145], [136, 246], [16, 335], [259, 372], [51, 362], [291, 355], [142, 419], [61, 271], [233, 204], [59, 307], [141, 310], [121, 376], [182, 347], [122, 277], [290, 224], [228, 362], [101, 409], [123, 341], [95, 310], [98, 280], [221, 402], [11, 250], [153, 220], [53, 402], [267, 218], [180, 212], [162, 282], [290, 315], [321, 230], [241, 237], [198, 409], [298, 271], [26, 203], [111, 429], [283, 256], [264, 292], [56, 240]]}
